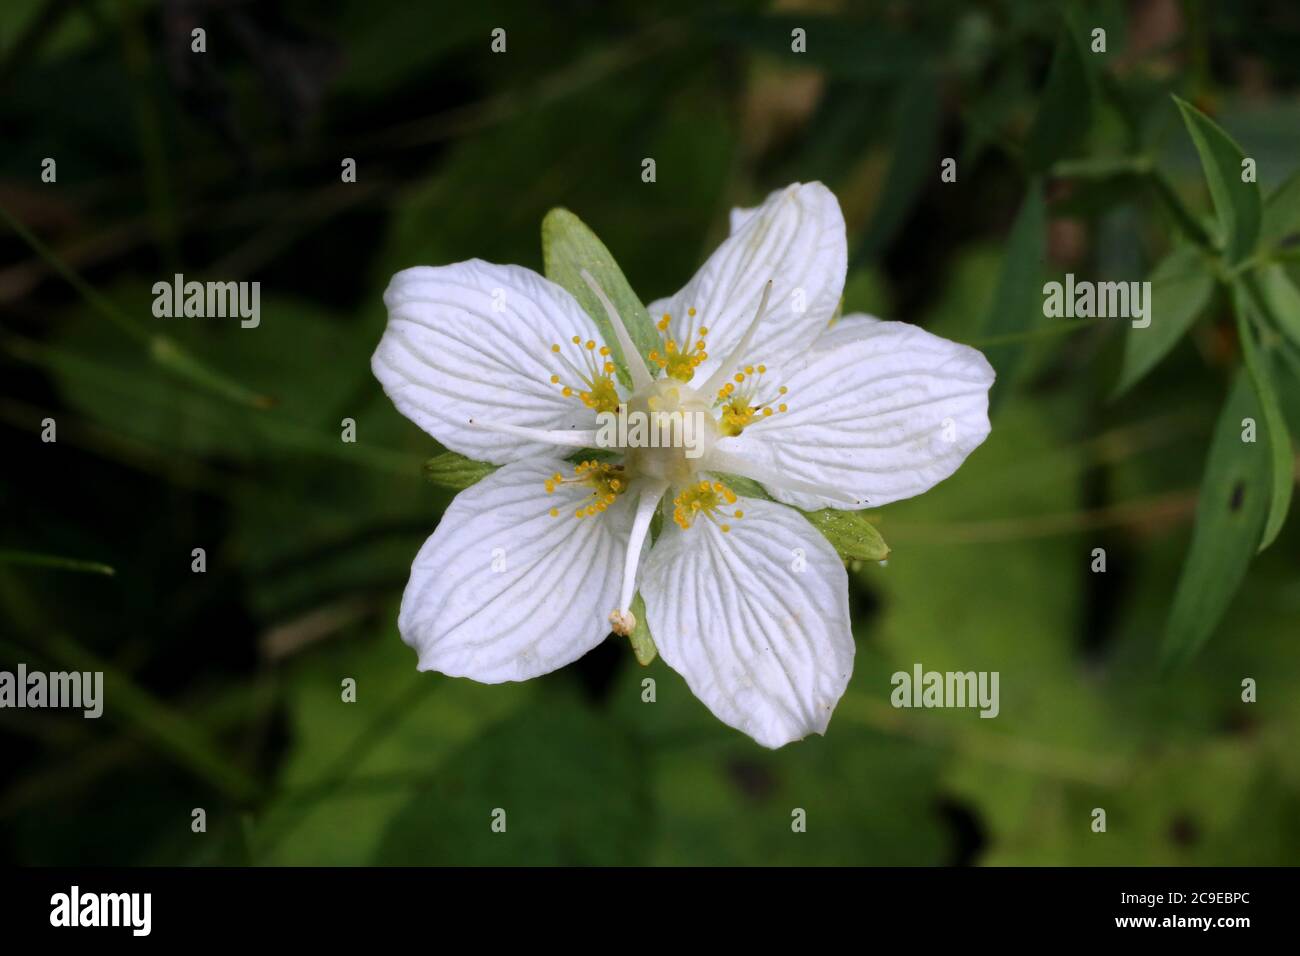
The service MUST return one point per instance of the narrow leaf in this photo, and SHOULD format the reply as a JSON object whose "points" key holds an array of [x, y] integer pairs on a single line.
{"points": [[1017, 303], [1273, 424], [1180, 288], [1237, 204], [35, 560], [568, 247], [1281, 300], [1065, 108], [1230, 517], [917, 121], [1282, 212]]}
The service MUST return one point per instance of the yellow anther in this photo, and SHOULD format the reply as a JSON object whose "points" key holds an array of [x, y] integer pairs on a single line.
{"points": [[592, 381], [741, 407], [703, 498], [678, 357], [606, 482]]}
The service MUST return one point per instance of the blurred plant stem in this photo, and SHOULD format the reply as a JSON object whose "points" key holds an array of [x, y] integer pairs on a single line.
{"points": [[345, 766], [32, 559], [278, 428], [135, 52], [169, 731], [160, 349], [1001, 749]]}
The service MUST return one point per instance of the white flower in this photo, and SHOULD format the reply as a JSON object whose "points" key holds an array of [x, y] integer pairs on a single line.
{"points": [[745, 599]]}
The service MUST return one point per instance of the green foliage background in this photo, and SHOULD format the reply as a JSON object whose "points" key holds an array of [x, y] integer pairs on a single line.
{"points": [[224, 688]]}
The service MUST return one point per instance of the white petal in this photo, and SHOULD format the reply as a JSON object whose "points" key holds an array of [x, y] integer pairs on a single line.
{"points": [[764, 645], [504, 591], [846, 328], [473, 341], [879, 410], [796, 239], [741, 215]]}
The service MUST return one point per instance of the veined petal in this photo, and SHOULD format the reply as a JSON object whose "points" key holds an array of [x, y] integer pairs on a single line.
{"points": [[503, 590], [879, 410], [476, 341], [741, 215], [756, 619], [796, 239]]}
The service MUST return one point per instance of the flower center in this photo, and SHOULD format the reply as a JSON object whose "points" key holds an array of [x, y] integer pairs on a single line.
{"points": [[607, 481], [686, 429], [705, 499], [679, 360], [745, 399], [594, 374]]}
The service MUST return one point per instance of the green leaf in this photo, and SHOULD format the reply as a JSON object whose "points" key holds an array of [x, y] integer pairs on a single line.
{"points": [[1273, 424], [568, 247], [1237, 204], [1017, 301], [453, 470], [567, 785], [850, 533], [643, 645], [1281, 300], [1230, 518], [1066, 106], [918, 118], [1180, 288], [1282, 212]]}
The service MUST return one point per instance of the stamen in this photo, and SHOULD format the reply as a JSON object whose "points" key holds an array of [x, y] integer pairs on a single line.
{"points": [[635, 363], [606, 481], [772, 478], [651, 492], [597, 390], [568, 437], [740, 406], [704, 498], [680, 360]]}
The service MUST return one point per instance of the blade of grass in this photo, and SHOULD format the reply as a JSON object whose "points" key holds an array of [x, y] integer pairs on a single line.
{"points": [[162, 350], [32, 559]]}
